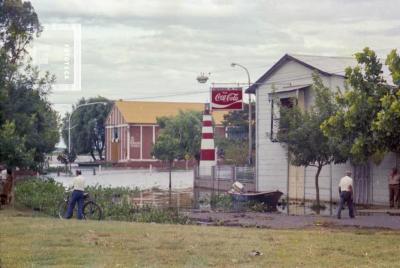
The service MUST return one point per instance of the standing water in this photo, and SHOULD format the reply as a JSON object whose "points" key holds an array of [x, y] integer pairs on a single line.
{"points": [[142, 179]]}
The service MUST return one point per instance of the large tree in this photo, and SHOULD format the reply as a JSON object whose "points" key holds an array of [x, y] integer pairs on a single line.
{"points": [[358, 107], [186, 128], [12, 147], [23, 90], [87, 127], [386, 125], [300, 131]]}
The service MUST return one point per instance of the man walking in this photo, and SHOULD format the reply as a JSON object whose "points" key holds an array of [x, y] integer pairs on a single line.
{"points": [[346, 194], [78, 185]]}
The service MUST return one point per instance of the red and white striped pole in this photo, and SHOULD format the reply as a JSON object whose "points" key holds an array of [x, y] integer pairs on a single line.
{"points": [[207, 149]]}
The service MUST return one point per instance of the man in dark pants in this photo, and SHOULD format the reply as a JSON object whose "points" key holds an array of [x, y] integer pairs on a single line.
{"points": [[78, 185], [346, 194]]}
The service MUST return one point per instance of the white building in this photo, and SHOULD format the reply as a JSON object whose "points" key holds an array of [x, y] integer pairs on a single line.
{"points": [[291, 77]]}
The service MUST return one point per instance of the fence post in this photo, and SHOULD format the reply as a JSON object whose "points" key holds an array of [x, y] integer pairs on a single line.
{"points": [[177, 200], [218, 179], [213, 181]]}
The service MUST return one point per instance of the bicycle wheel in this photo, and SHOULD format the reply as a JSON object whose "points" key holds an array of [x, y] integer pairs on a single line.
{"points": [[62, 209], [92, 211]]}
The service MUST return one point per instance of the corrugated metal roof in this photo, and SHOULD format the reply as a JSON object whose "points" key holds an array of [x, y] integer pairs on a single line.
{"points": [[324, 64], [144, 112], [327, 64]]}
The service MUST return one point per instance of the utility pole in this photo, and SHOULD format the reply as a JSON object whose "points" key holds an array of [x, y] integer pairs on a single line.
{"points": [[249, 157]]}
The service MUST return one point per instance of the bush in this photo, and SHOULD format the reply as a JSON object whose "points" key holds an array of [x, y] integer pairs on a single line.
{"points": [[45, 195], [217, 201], [39, 194]]}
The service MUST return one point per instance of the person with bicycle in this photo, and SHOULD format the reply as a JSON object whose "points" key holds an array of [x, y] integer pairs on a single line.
{"points": [[78, 186]]}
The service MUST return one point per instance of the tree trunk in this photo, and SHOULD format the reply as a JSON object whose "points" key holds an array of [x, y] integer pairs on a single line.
{"points": [[93, 156], [100, 152], [318, 205]]}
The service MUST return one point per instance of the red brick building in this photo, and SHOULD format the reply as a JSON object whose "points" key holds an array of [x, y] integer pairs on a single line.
{"points": [[131, 129]]}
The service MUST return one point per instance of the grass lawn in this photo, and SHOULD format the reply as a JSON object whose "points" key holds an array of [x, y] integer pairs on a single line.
{"points": [[27, 241]]}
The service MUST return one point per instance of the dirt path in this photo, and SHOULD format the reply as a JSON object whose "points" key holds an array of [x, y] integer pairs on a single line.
{"points": [[282, 221]]}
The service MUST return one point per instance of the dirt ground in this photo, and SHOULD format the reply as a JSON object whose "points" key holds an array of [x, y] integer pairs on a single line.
{"points": [[276, 220]]}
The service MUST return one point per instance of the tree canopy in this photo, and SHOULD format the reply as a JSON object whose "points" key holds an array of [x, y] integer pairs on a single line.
{"points": [[25, 110], [362, 110], [186, 128], [386, 125], [88, 127]]}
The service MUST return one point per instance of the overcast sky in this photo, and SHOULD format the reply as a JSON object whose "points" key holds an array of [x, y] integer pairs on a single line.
{"points": [[133, 49]]}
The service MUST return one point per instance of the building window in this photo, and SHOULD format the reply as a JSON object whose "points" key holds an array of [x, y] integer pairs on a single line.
{"points": [[115, 134], [288, 102]]}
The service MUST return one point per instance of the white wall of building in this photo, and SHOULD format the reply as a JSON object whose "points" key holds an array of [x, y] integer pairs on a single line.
{"points": [[271, 157]]}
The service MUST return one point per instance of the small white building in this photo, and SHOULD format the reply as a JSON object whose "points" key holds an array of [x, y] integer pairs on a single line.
{"points": [[291, 77]]}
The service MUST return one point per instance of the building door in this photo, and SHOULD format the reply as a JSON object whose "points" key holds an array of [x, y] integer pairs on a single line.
{"points": [[115, 151]]}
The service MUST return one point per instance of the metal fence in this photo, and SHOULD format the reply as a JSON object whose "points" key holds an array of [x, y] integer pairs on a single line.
{"points": [[222, 177]]}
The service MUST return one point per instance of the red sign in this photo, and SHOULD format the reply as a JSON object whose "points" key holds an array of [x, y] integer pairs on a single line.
{"points": [[226, 98]]}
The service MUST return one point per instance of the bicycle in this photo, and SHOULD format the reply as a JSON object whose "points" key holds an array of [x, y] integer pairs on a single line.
{"points": [[91, 210]]}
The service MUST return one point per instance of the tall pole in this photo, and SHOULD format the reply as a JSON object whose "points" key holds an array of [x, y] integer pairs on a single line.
{"points": [[69, 121], [249, 157]]}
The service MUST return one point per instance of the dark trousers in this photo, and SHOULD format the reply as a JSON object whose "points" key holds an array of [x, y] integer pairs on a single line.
{"points": [[394, 192], [346, 197], [76, 197]]}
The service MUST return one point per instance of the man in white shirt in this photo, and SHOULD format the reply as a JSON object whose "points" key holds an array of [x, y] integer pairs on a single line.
{"points": [[78, 185], [346, 194]]}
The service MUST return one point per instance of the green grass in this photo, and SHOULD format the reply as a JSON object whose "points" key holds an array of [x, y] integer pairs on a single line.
{"points": [[32, 241]]}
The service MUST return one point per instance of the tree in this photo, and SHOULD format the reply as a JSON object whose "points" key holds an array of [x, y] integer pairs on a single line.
{"points": [[386, 125], [358, 107], [233, 152], [12, 147], [237, 123], [300, 131], [87, 127], [23, 91], [19, 24], [167, 148], [186, 128]]}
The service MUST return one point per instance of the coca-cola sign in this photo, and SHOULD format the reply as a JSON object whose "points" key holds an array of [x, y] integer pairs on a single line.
{"points": [[226, 98]]}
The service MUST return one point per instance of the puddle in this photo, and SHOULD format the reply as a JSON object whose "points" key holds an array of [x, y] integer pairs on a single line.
{"points": [[300, 208]]}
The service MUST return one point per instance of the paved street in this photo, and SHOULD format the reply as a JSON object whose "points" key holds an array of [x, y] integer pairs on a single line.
{"points": [[282, 221]]}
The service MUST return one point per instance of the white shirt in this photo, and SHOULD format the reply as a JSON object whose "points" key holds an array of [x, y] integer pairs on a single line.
{"points": [[345, 183], [78, 183]]}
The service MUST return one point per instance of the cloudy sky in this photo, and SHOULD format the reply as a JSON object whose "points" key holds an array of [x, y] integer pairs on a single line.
{"points": [[154, 49]]}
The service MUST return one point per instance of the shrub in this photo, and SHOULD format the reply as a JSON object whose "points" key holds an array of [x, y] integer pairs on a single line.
{"points": [[45, 194], [39, 194]]}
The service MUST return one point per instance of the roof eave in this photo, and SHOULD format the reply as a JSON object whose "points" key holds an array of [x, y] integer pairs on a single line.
{"points": [[252, 89]]}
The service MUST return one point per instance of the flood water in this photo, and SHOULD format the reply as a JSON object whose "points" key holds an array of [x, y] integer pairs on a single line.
{"points": [[142, 179], [154, 186]]}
